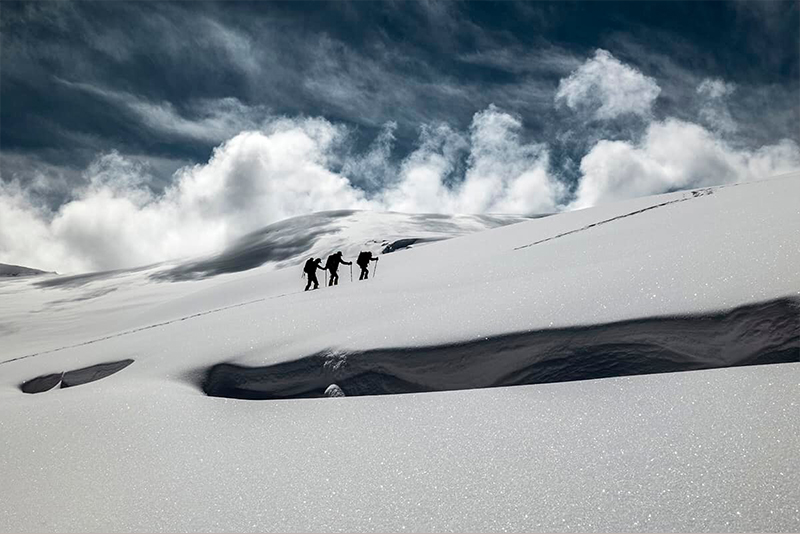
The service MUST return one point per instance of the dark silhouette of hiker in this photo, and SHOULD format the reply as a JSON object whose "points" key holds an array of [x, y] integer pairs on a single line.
{"points": [[332, 265], [311, 271], [363, 261]]}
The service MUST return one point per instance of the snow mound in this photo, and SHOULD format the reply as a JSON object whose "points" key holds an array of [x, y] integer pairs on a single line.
{"points": [[18, 270], [292, 241]]}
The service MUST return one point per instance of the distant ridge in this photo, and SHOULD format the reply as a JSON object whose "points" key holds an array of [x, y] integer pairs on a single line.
{"points": [[18, 270]]}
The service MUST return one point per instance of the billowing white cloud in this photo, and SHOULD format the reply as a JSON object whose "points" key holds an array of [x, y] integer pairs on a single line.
{"points": [[606, 88], [674, 155], [421, 185], [286, 167], [254, 179], [26, 237], [503, 174], [260, 177]]}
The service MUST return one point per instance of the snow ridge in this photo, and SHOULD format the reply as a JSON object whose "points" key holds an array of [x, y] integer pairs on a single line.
{"points": [[756, 334]]}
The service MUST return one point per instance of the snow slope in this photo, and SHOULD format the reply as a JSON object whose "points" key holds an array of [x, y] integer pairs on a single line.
{"points": [[686, 280], [18, 270], [90, 305], [706, 451]]}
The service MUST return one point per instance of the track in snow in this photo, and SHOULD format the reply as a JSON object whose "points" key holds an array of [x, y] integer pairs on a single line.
{"points": [[148, 327], [695, 194]]}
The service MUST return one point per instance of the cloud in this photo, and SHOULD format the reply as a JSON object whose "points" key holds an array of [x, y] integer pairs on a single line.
{"points": [[371, 170], [26, 236], [545, 60], [704, 145], [503, 174], [208, 120], [280, 167], [260, 177], [606, 89], [424, 173], [714, 110], [253, 179], [715, 88], [673, 155]]}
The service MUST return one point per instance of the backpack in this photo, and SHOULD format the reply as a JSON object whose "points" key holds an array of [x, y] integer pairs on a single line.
{"points": [[331, 263], [363, 258], [309, 267]]}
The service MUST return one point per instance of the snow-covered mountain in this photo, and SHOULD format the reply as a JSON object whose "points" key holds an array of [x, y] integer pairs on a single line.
{"points": [[7, 270], [136, 422], [292, 241], [96, 304]]}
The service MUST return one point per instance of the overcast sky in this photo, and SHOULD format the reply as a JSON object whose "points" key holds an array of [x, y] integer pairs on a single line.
{"points": [[133, 132]]}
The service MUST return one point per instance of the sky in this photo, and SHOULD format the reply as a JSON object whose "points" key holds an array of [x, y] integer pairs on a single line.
{"points": [[137, 132]]}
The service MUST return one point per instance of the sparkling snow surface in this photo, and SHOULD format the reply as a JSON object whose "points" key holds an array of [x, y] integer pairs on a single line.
{"points": [[144, 449], [697, 451]]}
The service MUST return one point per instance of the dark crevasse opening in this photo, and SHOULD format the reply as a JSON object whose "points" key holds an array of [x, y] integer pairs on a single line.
{"points": [[76, 377], [755, 334]]}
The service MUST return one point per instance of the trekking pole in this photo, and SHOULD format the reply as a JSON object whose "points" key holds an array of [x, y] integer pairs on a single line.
{"points": [[375, 274], [326, 278], [351, 272]]}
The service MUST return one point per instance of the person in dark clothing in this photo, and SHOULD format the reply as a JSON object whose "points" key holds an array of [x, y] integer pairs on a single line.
{"points": [[310, 269], [363, 261], [332, 265]]}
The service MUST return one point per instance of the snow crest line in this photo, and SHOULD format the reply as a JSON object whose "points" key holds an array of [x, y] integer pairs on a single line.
{"points": [[695, 194], [148, 327], [763, 333]]}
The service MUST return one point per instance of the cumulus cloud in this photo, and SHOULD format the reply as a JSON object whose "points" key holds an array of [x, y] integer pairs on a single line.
{"points": [[670, 154], [26, 237], [260, 177], [283, 167], [503, 173], [674, 155], [425, 171], [253, 179], [606, 88]]}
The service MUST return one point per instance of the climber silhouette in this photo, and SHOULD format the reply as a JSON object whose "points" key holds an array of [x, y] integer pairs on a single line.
{"points": [[310, 269], [363, 261], [332, 265]]}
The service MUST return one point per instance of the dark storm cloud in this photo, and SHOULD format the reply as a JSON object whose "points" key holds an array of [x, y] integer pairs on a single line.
{"points": [[150, 77], [172, 80]]}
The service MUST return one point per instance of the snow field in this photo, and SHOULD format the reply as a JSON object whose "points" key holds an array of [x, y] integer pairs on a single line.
{"points": [[145, 449]]}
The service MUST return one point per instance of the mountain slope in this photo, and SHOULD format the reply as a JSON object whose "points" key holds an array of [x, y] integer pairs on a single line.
{"points": [[700, 279], [96, 304], [18, 270]]}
